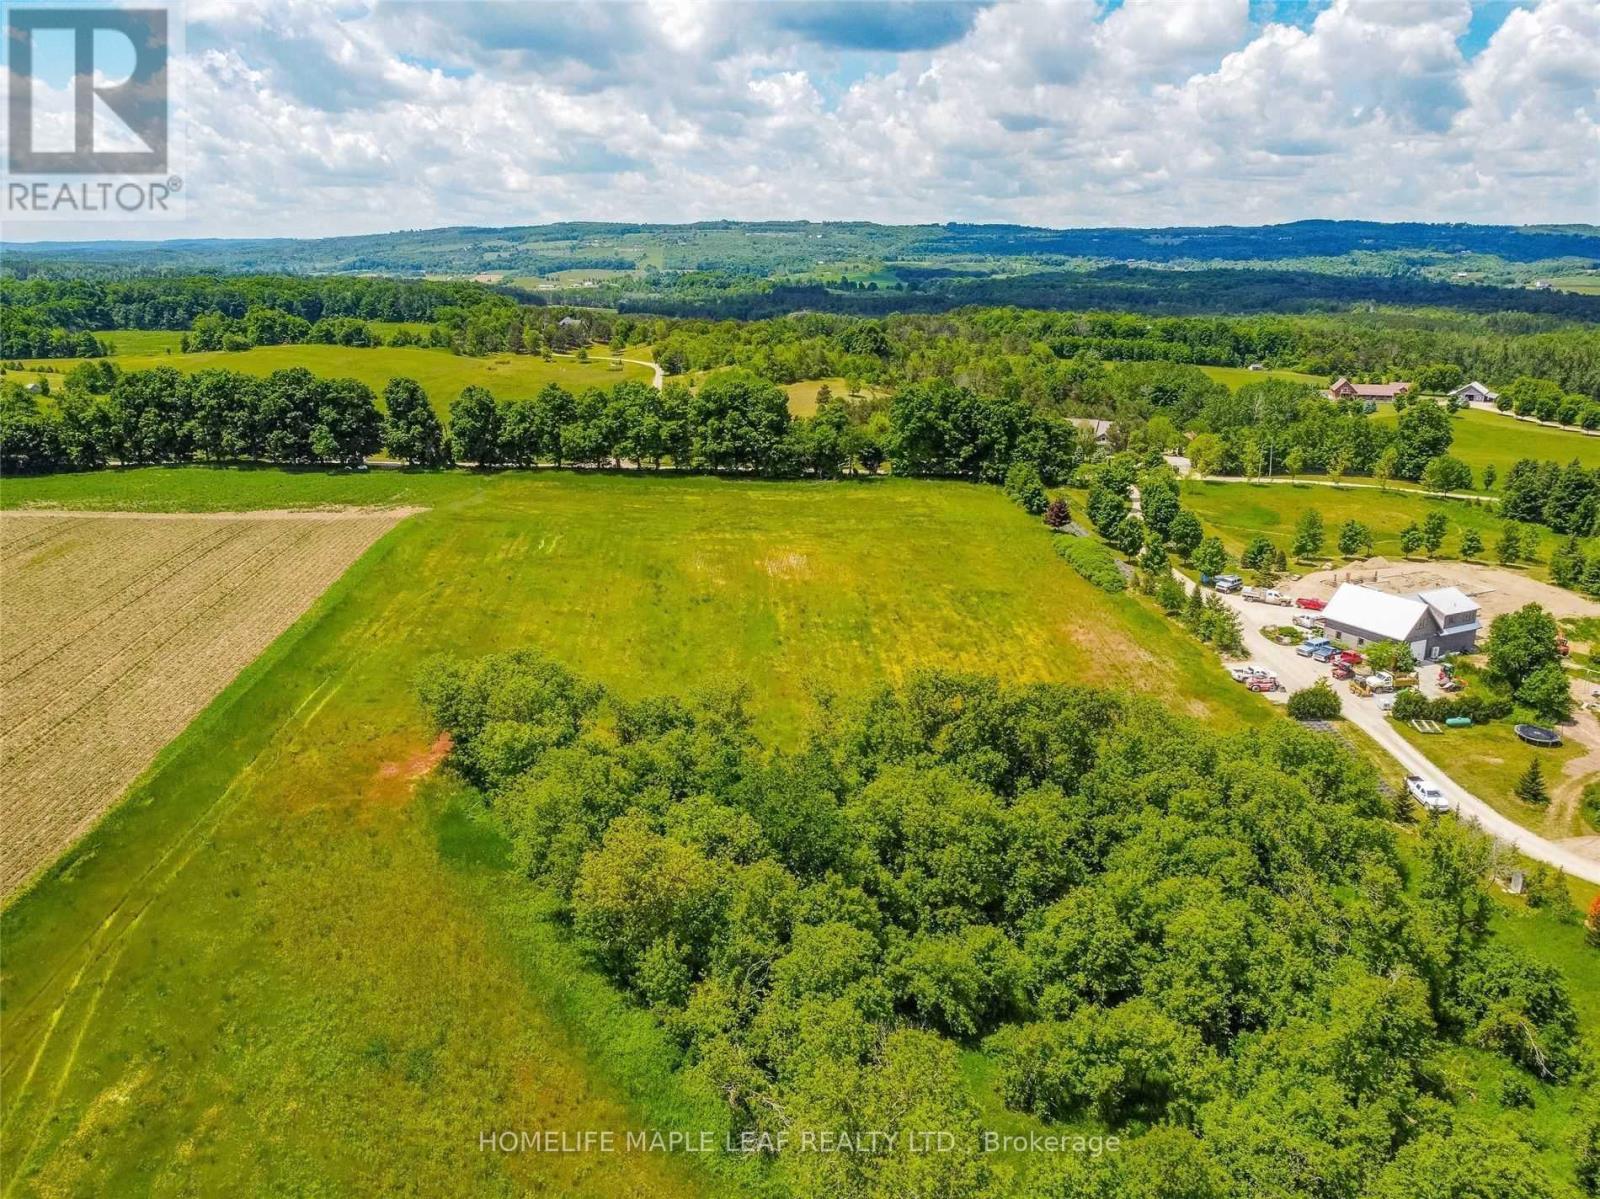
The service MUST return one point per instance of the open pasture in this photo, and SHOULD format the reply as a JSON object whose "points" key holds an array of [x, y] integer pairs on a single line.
{"points": [[119, 628], [287, 949], [441, 373]]}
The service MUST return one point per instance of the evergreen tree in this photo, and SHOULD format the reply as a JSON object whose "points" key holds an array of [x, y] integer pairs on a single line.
{"points": [[1530, 787]]}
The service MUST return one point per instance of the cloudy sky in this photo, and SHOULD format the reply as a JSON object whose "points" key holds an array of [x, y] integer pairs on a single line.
{"points": [[308, 117]]}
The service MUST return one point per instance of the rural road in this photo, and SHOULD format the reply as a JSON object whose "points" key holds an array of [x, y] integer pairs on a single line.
{"points": [[1295, 672], [1303, 481], [658, 379]]}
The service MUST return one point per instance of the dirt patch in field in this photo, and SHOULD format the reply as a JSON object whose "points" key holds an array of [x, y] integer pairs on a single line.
{"points": [[118, 628], [420, 764]]}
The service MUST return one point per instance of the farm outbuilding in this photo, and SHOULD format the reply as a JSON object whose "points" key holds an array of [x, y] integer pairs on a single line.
{"points": [[1474, 393], [1432, 623]]}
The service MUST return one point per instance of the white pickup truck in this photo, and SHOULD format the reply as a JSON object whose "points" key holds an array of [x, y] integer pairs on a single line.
{"points": [[1427, 793], [1269, 595]]}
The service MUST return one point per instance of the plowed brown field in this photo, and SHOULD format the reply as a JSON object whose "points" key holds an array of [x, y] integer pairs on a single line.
{"points": [[116, 629]]}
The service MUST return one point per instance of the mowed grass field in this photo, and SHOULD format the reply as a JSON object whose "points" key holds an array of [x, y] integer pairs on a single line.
{"points": [[803, 395], [441, 373], [120, 628], [280, 968], [1489, 438], [1236, 377]]}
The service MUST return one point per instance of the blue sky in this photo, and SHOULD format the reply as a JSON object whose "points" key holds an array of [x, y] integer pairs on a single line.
{"points": [[309, 117]]}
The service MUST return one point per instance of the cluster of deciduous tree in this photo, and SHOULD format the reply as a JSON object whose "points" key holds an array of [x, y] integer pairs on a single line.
{"points": [[1205, 941], [163, 415], [261, 326], [1574, 566], [1283, 428], [28, 333], [1566, 499], [1525, 661]]}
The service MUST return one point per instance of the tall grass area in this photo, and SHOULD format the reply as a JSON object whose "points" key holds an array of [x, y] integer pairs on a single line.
{"points": [[275, 969]]}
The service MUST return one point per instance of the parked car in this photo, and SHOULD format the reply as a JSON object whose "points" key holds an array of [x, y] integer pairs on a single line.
{"points": [[1307, 621], [1341, 671], [1350, 658], [1426, 792], [1324, 654], [1312, 602], [1311, 645], [1263, 682], [1381, 681], [1229, 583], [1244, 674]]}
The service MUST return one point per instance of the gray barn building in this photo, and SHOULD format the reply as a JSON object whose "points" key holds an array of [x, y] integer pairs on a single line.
{"points": [[1433, 623]]}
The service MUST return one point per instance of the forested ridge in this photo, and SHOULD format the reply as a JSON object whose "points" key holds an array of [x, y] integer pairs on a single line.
{"points": [[1207, 943], [760, 248]]}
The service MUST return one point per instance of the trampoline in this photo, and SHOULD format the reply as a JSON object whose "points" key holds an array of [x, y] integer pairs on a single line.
{"points": [[1535, 734]]}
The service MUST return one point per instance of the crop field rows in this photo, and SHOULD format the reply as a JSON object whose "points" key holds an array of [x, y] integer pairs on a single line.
{"points": [[119, 628]]}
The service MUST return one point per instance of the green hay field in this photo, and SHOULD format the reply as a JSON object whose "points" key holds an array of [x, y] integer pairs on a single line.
{"points": [[277, 968]]}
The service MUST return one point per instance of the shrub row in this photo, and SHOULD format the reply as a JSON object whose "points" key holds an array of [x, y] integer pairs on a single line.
{"points": [[1093, 561]]}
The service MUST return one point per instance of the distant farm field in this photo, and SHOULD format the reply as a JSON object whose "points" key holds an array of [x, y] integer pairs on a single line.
{"points": [[289, 948], [119, 628], [441, 373]]}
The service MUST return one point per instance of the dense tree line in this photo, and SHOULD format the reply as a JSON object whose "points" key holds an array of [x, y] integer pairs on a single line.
{"points": [[733, 422], [173, 302], [1204, 941], [163, 416]]}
